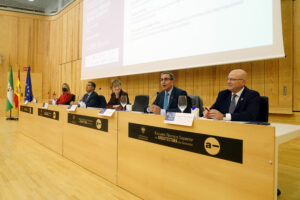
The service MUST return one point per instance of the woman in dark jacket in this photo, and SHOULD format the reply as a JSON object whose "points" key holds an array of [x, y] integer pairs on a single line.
{"points": [[117, 92]]}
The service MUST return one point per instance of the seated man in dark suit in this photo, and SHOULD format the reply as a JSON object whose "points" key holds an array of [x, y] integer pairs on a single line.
{"points": [[237, 103], [91, 98], [168, 98]]}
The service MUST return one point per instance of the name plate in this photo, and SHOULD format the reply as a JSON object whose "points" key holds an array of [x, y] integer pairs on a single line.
{"points": [[89, 122], [219, 147], [26, 109], [51, 114]]}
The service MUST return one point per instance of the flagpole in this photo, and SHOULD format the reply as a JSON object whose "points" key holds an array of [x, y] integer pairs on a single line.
{"points": [[11, 118]]}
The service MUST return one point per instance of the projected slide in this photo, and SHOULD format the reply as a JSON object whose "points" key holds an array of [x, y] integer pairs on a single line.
{"points": [[140, 36]]}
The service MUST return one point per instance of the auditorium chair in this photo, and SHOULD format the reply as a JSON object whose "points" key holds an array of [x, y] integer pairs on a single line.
{"points": [[141, 103]]}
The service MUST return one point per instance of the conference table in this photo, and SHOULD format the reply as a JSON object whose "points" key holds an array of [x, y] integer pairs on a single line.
{"points": [[154, 160]]}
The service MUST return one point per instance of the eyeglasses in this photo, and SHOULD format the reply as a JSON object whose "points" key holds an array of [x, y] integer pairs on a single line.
{"points": [[234, 79], [165, 79]]}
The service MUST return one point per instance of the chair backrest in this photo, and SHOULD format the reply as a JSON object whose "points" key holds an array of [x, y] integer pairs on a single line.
{"points": [[72, 99], [263, 109], [102, 101], [197, 101], [141, 103]]}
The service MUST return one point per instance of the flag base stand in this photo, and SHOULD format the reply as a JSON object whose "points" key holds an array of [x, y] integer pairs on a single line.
{"points": [[11, 118]]}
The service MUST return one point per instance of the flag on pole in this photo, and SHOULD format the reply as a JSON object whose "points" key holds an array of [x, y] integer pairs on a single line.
{"points": [[17, 91], [10, 91], [28, 88]]}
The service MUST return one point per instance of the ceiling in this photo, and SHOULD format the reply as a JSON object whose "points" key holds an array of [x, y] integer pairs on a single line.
{"points": [[38, 7]]}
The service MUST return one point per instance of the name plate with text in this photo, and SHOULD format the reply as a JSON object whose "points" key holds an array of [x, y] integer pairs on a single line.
{"points": [[51, 114], [26, 109], [219, 147], [89, 122]]}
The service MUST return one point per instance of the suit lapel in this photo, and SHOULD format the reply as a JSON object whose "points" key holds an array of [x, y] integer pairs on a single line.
{"points": [[172, 96], [241, 99], [227, 102]]}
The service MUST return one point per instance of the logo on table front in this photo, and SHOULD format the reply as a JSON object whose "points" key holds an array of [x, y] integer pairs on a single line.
{"points": [[54, 115], [98, 124], [143, 130], [212, 146]]}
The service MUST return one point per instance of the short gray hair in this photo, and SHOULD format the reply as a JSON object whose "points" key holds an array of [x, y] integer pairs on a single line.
{"points": [[172, 77]]}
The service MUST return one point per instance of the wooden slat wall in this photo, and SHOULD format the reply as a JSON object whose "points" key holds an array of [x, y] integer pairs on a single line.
{"points": [[53, 46], [296, 29]]}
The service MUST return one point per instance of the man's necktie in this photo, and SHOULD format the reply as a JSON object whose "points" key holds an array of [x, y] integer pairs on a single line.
{"points": [[232, 104], [166, 101], [86, 98]]}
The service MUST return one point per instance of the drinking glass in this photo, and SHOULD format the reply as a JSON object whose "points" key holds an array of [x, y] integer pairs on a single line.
{"points": [[123, 101], [182, 103]]}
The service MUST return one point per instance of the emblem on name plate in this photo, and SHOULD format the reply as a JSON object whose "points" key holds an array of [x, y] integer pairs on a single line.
{"points": [[54, 115], [212, 146], [98, 124], [143, 130]]}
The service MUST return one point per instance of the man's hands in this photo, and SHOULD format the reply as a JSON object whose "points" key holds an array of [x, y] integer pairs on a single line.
{"points": [[213, 114], [154, 109]]}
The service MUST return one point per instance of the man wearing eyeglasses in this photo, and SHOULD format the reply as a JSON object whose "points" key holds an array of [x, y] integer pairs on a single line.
{"points": [[237, 103], [167, 100]]}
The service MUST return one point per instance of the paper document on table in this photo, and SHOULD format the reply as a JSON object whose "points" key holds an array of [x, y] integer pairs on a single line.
{"points": [[106, 112], [185, 119]]}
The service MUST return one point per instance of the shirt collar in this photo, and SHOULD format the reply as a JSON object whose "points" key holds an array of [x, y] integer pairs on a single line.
{"points": [[170, 91], [239, 93]]}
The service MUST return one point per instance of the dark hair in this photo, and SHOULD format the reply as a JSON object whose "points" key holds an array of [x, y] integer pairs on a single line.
{"points": [[172, 77], [93, 84]]}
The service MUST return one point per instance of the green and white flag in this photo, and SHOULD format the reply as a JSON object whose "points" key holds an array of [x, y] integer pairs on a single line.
{"points": [[10, 91]]}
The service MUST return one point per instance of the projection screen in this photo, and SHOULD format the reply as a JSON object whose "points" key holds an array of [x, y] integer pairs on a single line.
{"points": [[140, 36]]}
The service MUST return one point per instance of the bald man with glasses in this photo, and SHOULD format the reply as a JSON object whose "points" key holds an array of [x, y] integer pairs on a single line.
{"points": [[237, 103]]}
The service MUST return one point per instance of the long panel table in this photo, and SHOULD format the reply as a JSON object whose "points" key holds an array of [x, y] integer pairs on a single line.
{"points": [[140, 153]]}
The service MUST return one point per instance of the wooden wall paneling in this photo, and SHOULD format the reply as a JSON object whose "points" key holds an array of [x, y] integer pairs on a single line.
{"points": [[82, 84], [197, 81], [8, 49], [154, 86], [42, 54], [207, 95], [67, 78], [75, 37], [271, 81], [123, 80], [258, 77], [223, 74], [296, 83], [286, 64], [64, 37], [73, 80], [247, 66], [60, 37], [80, 29], [216, 82], [130, 87], [59, 82], [140, 84], [25, 39], [70, 30], [189, 81], [146, 83], [180, 79]]}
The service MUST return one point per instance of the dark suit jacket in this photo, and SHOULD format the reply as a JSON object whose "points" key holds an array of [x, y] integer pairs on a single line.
{"points": [[173, 102], [247, 108], [114, 101], [94, 100]]}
